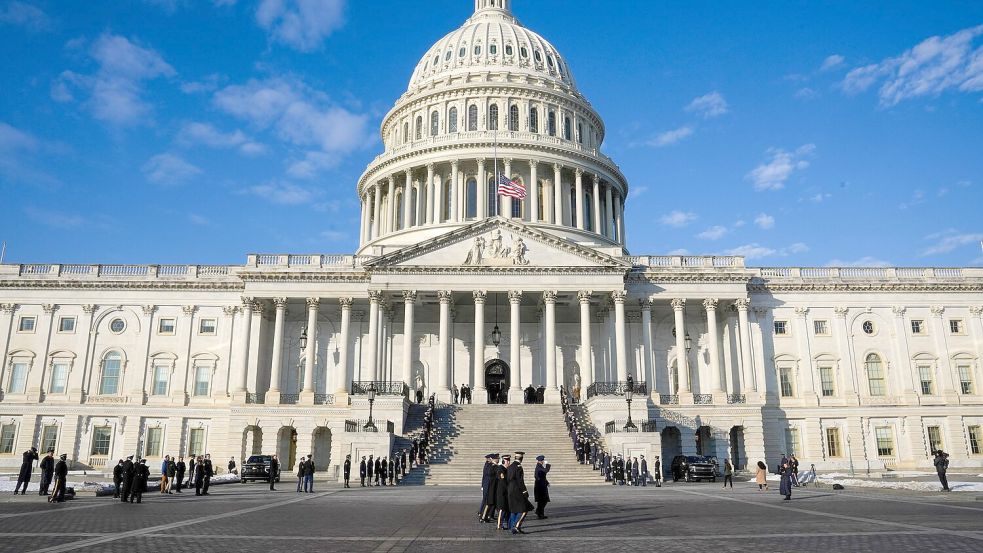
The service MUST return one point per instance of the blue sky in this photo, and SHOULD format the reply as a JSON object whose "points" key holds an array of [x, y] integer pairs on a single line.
{"points": [[194, 131]]}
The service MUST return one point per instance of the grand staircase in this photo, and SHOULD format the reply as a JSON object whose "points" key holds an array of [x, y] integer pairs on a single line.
{"points": [[464, 434]]}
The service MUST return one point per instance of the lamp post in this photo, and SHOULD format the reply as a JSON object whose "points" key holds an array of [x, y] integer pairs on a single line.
{"points": [[628, 394], [370, 426], [496, 333], [849, 453], [303, 339]]}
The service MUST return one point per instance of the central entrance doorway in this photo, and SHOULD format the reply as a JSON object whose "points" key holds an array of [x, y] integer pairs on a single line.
{"points": [[497, 381]]}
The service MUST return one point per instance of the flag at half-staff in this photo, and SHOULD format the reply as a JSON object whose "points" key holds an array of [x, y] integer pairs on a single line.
{"points": [[510, 188]]}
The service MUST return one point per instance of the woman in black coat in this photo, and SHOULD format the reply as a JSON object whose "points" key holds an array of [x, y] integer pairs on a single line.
{"points": [[501, 495]]}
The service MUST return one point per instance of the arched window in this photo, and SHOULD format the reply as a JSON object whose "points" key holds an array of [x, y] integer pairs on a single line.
{"points": [[589, 213], [419, 127], [517, 203], [203, 378], [436, 60], [566, 128], [573, 207], [513, 118], [493, 117], [406, 132], [413, 201], [112, 367], [492, 198], [452, 120], [472, 199], [533, 120], [462, 51], [551, 124], [477, 49], [399, 208], [447, 56], [875, 375], [472, 117], [508, 49], [523, 52], [580, 133], [434, 119], [493, 49]]}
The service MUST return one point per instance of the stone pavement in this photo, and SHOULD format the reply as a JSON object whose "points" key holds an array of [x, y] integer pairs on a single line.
{"points": [[680, 517]]}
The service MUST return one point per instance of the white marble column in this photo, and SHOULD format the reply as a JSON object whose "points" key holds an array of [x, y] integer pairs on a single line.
{"points": [[376, 207], [621, 354], [586, 359], [310, 355], [619, 216], [344, 377], [608, 212], [407, 200], [454, 191], [429, 194], [482, 188], [682, 362], [478, 366], [439, 189], [533, 191], [409, 301], [648, 374], [710, 305], [515, 342], [744, 331], [372, 345], [507, 200], [549, 299], [389, 224], [364, 220], [596, 199], [579, 190], [557, 195], [277, 361], [443, 345], [243, 354]]}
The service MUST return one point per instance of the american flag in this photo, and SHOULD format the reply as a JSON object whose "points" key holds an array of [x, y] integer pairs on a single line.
{"points": [[510, 188]]}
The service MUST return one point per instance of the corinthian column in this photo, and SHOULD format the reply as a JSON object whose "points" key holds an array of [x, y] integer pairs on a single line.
{"points": [[745, 334], [310, 356], [533, 191], [390, 223], [343, 376], [621, 354], [277, 361], [409, 300], [682, 366], [243, 353], [376, 207], [479, 340], [407, 197], [506, 200], [443, 345], [515, 337], [549, 299], [646, 305], [710, 305], [372, 347], [429, 194], [596, 199], [454, 191], [579, 189], [586, 360], [481, 202], [608, 213], [557, 195]]}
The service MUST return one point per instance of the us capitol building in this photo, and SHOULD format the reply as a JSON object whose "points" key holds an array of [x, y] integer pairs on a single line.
{"points": [[452, 283]]}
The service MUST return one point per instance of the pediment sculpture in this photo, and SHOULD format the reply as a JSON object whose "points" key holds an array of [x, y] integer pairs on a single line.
{"points": [[492, 251]]}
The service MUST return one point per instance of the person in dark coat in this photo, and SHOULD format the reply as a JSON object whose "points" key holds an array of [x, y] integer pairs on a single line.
{"points": [[392, 472], [643, 470], [61, 473], [362, 471], [47, 467], [191, 471], [274, 471], [402, 464], [179, 469], [941, 463], [117, 478], [519, 503], [502, 492], [486, 477], [301, 473], [657, 472], [541, 488], [207, 473], [127, 478], [540, 394], [141, 472], [786, 484], [199, 475], [370, 468], [26, 467], [348, 469], [383, 470]]}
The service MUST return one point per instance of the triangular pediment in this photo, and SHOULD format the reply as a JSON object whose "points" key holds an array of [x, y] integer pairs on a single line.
{"points": [[498, 242]]}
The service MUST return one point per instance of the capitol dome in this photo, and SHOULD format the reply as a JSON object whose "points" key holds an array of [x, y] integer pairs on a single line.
{"points": [[491, 97]]}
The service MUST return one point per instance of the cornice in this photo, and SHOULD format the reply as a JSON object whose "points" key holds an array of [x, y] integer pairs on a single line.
{"points": [[867, 287], [660, 278], [230, 286], [305, 276]]}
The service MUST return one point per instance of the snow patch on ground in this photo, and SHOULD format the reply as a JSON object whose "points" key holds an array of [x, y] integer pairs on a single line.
{"points": [[902, 485], [102, 488]]}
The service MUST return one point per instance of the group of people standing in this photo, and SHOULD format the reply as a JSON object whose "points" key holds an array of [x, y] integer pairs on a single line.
{"points": [[386, 471], [504, 496], [130, 476], [461, 395], [51, 472]]}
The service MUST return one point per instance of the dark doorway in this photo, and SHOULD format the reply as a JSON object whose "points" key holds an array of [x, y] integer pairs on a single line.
{"points": [[497, 381]]}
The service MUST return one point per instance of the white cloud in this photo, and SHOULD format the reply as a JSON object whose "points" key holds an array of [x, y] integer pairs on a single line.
{"points": [[866, 261], [169, 169], [950, 239], [24, 15], [208, 83], [713, 233], [671, 137], [709, 105], [55, 219], [284, 193], [680, 251], [301, 24], [17, 161], [820, 197], [677, 218], [204, 133], [935, 65], [806, 93], [917, 198], [772, 174], [764, 221], [739, 223], [637, 191], [757, 251], [832, 62], [116, 90]]}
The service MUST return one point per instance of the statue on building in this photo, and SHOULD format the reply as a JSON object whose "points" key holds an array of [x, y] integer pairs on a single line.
{"points": [[576, 387], [518, 251], [495, 248], [476, 252]]}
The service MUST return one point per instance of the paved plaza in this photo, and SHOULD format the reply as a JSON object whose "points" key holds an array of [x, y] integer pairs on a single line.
{"points": [[682, 517]]}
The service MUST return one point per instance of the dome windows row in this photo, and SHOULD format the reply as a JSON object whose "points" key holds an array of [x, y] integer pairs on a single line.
{"points": [[549, 62]]}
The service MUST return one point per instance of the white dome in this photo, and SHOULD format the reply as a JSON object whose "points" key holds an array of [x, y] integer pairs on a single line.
{"points": [[492, 40]]}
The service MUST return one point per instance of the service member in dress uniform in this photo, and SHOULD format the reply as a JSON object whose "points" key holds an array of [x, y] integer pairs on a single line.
{"points": [[348, 469], [541, 488], [519, 503]]}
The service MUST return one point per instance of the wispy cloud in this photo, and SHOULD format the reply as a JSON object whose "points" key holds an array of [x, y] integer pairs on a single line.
{"points": [[54, 219], [193, 133], [709, 105], [917, 198], [169, 169], [764, 221], [755, 250], [715, 232], [283, 193], [677, 218], [670, 137], [301, 24], [935, 65], [949, 240], [806, 93], [17, 158], [24, 15], [832, 62], [773, 173], [866, 261]]}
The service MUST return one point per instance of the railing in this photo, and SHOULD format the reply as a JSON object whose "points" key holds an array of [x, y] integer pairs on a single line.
{"points": [[870, 273], [611, 427], [122, 271], [734, 399], [358, 425], [304, 260], [382, 387], [323, 399], [615, 389], [668, 399], [703, 399], [289, 399], [255, 398], [686, 261]]}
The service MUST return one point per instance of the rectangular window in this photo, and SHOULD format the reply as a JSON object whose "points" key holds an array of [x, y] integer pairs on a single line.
{"points": [[101, 436], [917, 326], [781, 328], [955, 326], [27, 324], [935, 439], [206, 327], [165, 326], [7, 433], [925, 375], [975, 437], [833, 442], [18, 378], [49, 437], [885, 441], [202, 377], [826, 380], [160, 380], [821, 328], [59, 378], [196, 441], [785, 376], [792, 441], [966, 379], [154, 436], [66, 325], [109, 384]]}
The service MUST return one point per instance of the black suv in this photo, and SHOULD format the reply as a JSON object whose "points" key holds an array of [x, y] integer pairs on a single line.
{"points": [[693, 467], [257, 467]]}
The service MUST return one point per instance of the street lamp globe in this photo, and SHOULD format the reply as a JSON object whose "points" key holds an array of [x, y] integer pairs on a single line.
{"points": [[303, 338]]}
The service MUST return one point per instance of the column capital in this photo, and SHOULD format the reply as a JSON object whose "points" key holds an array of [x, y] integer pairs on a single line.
{"points": [[742, 304], [313, 303], [430, 167], [445, 296], [247, 302], [937, 310], [619, 296], [479, 296], [549, 296], [508, 161], [578, 171], [515, 296], [375, 296], [899, 311], [976, 310], [189, 309], [49, 308], [802, 311], [280, 303], [230, 310], [645, 304], [391, 178], [597, 178], [710, 304], [678, 304], [841, 311], [557, 167], [149, 309], [88, 308], [409, 296], [481, 163], [455, 163], [346, 302], [585, 295]]}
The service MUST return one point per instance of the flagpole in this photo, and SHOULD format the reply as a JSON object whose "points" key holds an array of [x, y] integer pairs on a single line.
{"points": [[495, 180], [3, 250]]}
